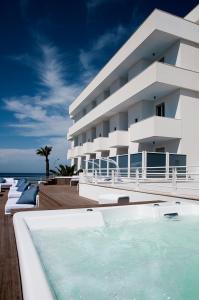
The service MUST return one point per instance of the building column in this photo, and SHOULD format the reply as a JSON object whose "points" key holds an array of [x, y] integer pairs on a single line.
{"points": [[129, 165], [144, 164], [167, 165], [79, 160]]}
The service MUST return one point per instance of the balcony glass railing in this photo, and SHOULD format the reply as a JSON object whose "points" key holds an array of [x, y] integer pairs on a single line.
{"points": [[153, 164]]}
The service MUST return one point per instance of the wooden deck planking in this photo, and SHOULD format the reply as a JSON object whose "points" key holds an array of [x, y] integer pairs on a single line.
{"points": [[62, 196], [10, 284]]}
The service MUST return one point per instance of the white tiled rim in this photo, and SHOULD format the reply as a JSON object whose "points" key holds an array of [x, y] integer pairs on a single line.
{"points": [[34, 281]]}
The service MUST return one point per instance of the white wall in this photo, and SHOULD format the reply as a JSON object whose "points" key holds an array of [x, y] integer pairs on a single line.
{"points": [[115, 86], [119, 121], [138, 68], [189, 56], [141, 110], [172, 105], [90, 134], [190, 126], [102, 129], [172, 55], [100, 99], [183, 54]]}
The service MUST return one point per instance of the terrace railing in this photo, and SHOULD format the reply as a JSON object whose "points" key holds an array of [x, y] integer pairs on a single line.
{"points": [[182, 180]]}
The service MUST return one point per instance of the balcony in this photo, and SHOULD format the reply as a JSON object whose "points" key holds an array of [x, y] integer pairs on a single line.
{"points": [[88, 148], [158, 79], [70, 154], [118, 138], [157, 33], [69, 137], [101, 144], [78, 151], [155, 129]]}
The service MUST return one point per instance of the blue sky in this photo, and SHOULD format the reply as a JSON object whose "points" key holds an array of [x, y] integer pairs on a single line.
{"points": [[49, 51]]}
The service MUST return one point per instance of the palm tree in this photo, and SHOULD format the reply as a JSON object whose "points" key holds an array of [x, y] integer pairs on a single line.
{"points": [[45, 152], [64, 170]]}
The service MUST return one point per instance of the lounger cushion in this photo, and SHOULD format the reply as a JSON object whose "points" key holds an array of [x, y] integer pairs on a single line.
{"points": [[2, 180], [23, 187], [20, 181], [29, 196]]}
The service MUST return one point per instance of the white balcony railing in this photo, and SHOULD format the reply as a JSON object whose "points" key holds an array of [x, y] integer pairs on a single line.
{"points": [[101, 144], [78, 151], [119, 138], [88, 148], [70, 154], [155, 129]]}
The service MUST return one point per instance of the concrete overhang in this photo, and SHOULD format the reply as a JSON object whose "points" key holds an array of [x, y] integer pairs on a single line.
{"points": [[158, 80], [157, 33]]}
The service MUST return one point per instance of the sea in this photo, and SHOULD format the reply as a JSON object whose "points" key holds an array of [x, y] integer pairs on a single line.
{"points": [[29, 176]]}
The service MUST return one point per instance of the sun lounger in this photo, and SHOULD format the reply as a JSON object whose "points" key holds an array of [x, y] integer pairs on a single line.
{"points": [[15, 192], [113, 198], [11, 204], [8, 183]]}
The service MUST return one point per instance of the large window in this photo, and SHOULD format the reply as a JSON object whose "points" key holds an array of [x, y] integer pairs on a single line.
{"points": [[136, 160], [112, 165], [156, 163], [83, 163], [123, 164], [96, 164], [179, 161], [103, 167], [90, 166]]}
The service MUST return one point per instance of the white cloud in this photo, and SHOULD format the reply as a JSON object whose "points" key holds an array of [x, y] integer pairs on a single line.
{"points": [[108, 39], [43, 114]]}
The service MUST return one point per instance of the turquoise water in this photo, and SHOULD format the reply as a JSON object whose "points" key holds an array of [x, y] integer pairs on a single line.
{"points": [[148, 260]]}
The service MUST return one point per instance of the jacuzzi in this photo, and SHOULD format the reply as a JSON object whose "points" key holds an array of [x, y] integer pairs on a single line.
{"points": [[123, 252]]}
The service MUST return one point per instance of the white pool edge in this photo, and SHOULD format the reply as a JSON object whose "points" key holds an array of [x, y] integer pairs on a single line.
{"points": [[34, 282]]}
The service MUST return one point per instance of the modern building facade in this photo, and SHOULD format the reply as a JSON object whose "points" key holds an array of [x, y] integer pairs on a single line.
{"points": [[142, 108]]}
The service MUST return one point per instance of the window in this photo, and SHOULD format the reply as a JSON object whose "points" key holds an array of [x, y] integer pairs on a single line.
{"points": [[106, 93], [161, 59], [160, 149], [160, 110], [84, 112], [94, 103], [123, 80]]}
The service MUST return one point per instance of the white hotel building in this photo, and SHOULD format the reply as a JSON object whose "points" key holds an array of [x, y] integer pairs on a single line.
{"points": [[142, 108]]}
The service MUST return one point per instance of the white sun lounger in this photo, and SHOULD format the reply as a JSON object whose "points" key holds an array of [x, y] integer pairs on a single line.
{"points": [[12, 204], [9, 182]]}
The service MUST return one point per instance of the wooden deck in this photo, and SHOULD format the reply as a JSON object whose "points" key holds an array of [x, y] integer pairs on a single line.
{"points": [[51, 197], [10, 285]]}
